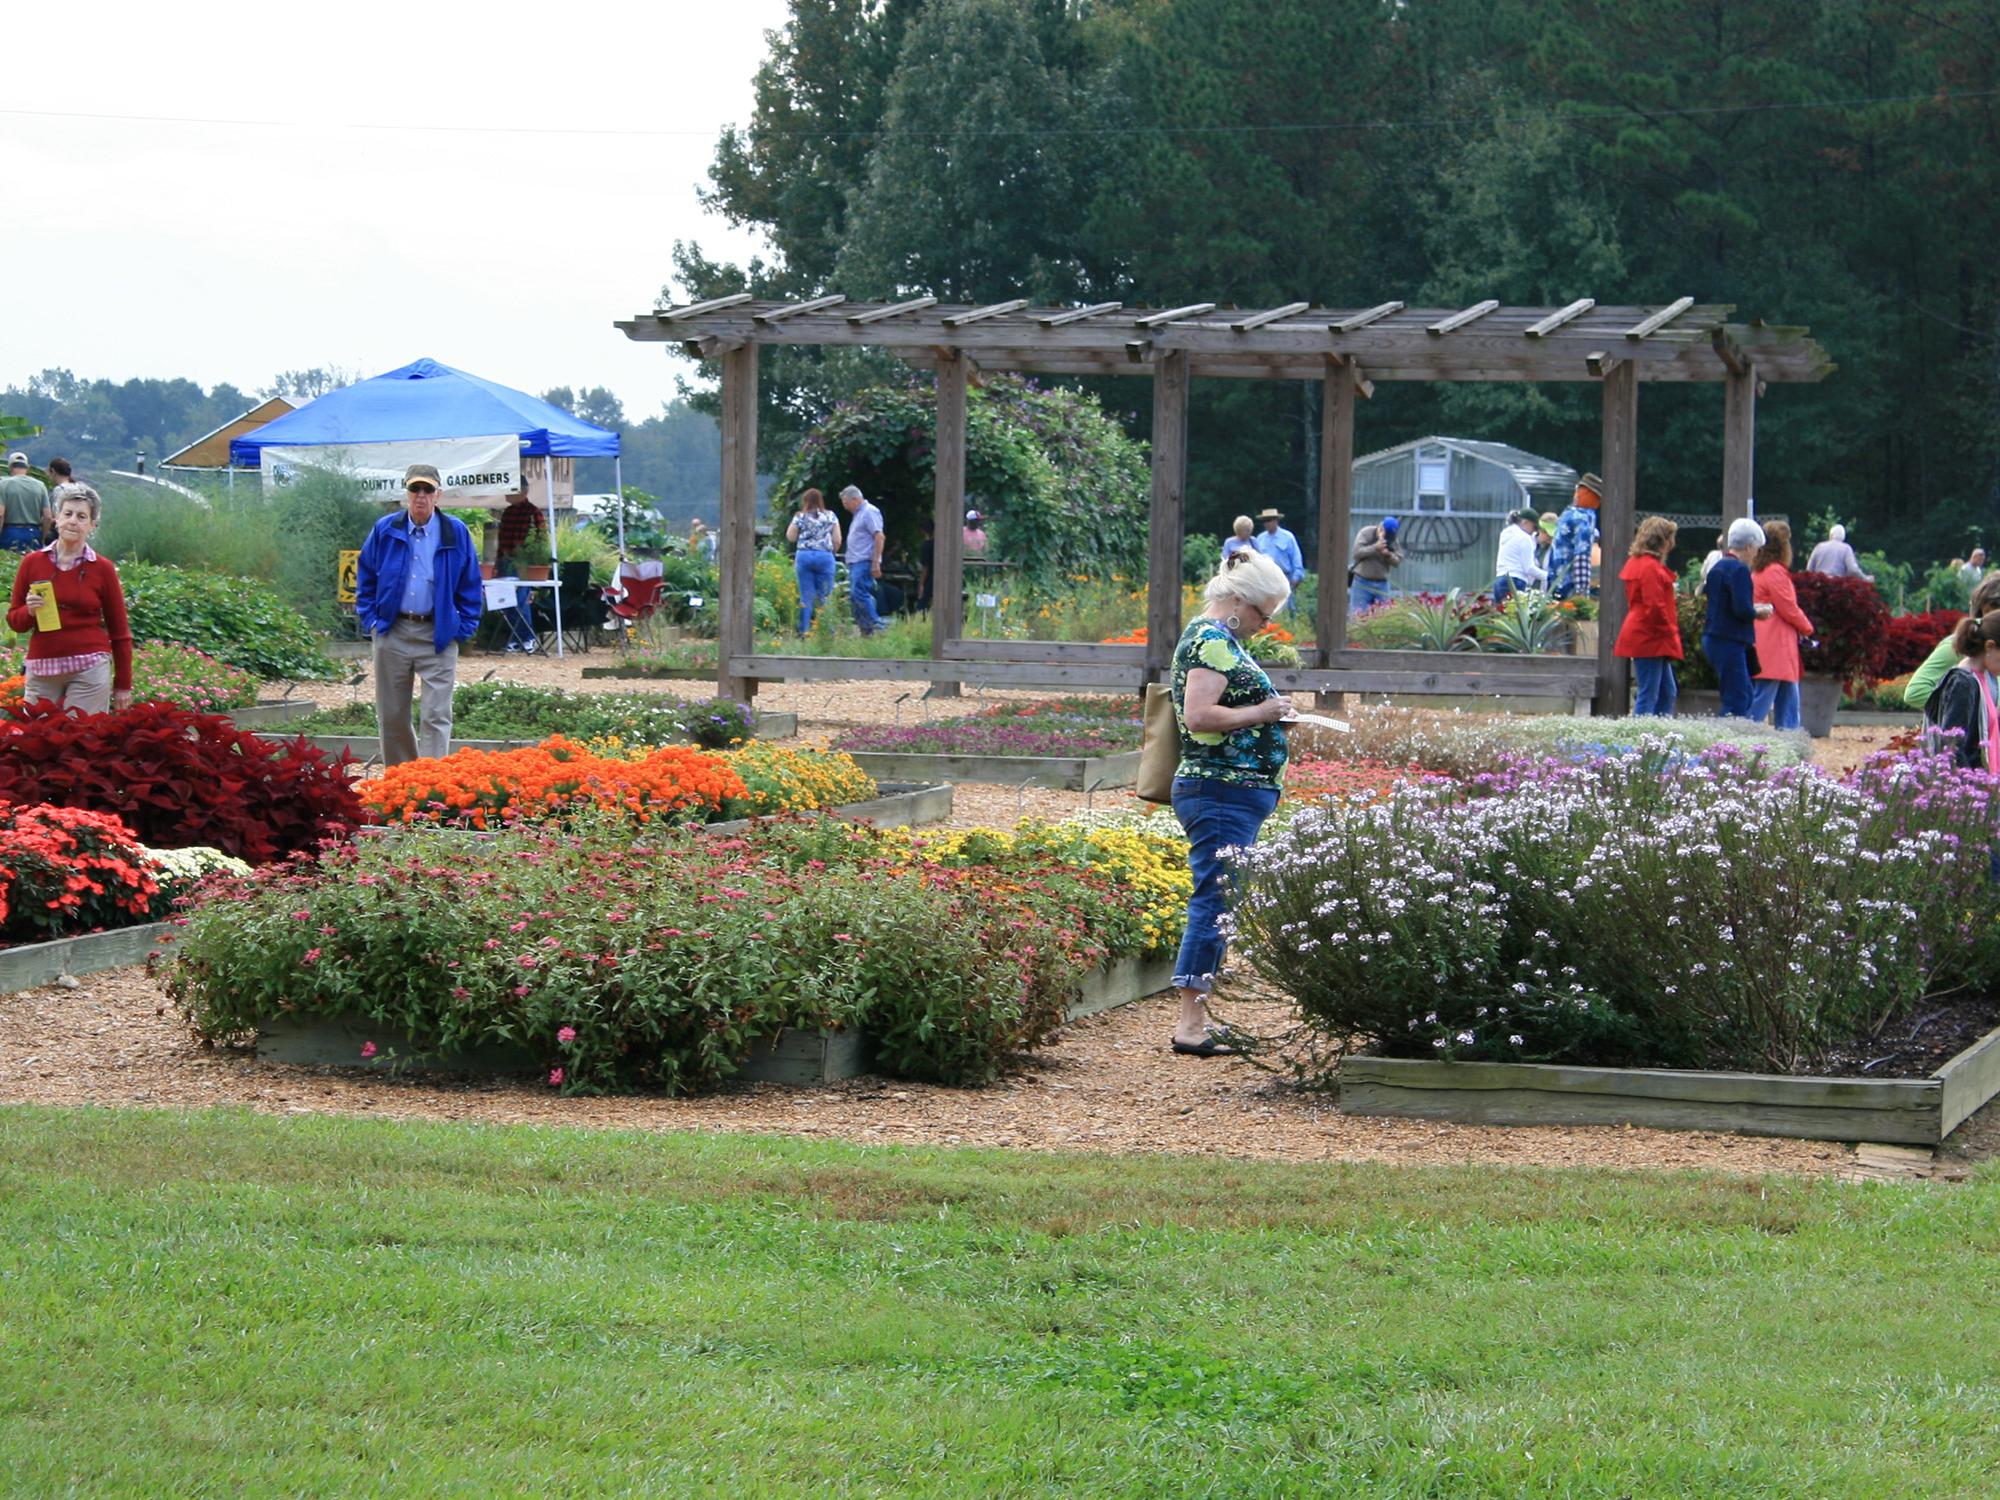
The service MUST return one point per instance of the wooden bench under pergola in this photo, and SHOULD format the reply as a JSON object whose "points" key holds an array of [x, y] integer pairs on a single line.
{"points": [[1349, 349]]}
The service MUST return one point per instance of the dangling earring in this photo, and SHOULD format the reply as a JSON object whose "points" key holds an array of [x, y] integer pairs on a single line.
{"points": [[1234, 624]]}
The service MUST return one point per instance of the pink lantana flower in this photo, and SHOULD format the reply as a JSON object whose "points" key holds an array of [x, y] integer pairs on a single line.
{"points": [[555, 1078], [566, 1035], [367, 1049]]}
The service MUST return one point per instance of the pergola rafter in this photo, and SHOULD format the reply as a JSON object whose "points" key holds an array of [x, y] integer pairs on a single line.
{"points": [[1349, 349]]}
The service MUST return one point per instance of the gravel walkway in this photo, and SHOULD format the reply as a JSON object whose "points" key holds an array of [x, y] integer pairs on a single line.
{"points": [[1107, 1084]]}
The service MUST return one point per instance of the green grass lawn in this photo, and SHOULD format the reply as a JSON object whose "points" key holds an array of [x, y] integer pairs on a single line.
{"points": [[230, 1304]]}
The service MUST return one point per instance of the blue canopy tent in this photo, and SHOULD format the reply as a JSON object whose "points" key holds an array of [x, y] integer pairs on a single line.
{"points": [[425, 399]]}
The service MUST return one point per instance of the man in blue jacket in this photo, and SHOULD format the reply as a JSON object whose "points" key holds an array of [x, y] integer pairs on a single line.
{"points": [[417, 593]]}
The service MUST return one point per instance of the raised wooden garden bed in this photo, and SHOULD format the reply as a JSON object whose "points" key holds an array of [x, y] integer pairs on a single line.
{"points": [[1075, 773], [273, 711], [33, 964], [1911, 1111], [794, 1056], [662, 674], [771, 726]]}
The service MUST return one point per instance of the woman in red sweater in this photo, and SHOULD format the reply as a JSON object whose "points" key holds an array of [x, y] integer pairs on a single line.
{"points": [[1651, 635], [1778, 633], [86, 663]]}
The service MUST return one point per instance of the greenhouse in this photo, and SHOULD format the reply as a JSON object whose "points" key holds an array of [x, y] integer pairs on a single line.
{"points": [[1453, 495]]}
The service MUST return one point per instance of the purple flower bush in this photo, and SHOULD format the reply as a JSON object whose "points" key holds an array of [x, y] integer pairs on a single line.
{"points": [[1643, 907], [1054, 726]]}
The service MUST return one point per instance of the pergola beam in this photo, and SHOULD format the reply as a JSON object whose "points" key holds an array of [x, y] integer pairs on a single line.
{"points": [[1561, 316]]}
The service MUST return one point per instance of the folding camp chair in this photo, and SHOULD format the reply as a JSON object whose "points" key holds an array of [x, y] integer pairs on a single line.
{"points": [[633, 598], [582, 608]]}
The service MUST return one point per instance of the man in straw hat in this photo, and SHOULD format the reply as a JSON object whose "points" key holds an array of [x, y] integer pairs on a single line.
{"points": [[1576, 536], [1281, 547]]}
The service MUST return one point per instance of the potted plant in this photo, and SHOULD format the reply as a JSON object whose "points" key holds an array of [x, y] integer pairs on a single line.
{"points": [[532, 555], [1849, 644]]}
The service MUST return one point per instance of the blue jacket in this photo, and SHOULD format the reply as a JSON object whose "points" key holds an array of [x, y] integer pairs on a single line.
{"points": [[1732, 603], [385, 562]]}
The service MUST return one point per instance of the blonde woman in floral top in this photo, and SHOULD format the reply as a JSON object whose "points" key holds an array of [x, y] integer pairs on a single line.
{"points": [[1231, 720]]}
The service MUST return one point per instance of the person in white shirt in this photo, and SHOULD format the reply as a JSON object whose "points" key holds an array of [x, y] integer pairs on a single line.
{"points": [[1515, 566]]}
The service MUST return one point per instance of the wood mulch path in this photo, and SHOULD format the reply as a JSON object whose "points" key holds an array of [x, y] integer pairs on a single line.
{"points": [[1108, 1083]]}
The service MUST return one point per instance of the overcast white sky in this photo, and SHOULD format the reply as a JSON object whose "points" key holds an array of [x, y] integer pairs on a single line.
{"points": [[345, 225]]}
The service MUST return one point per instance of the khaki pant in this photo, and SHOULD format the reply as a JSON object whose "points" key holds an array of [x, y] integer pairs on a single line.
{"points": [[404, 656], [87, 692]]}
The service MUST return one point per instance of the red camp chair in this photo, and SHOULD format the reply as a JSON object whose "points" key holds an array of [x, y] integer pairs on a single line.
{"points": [[633, 598]]}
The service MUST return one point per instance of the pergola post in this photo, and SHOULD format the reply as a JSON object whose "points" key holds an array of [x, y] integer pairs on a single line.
{"points": [[1739, 442], [736, 548], [1336, 510], [1168, 518], [1617, 521], [948, 515]]}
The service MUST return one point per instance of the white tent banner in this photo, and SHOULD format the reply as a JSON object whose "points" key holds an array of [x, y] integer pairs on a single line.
{"points": [[477, 469]]}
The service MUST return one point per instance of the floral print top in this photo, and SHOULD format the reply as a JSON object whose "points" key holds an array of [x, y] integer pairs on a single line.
{"points": [[815, 530], [1246, 757]]}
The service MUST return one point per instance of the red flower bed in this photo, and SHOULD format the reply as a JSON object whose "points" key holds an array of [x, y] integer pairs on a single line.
{"points": [[179, 779], [1310, 779], [1914, 637], [64, 870]]}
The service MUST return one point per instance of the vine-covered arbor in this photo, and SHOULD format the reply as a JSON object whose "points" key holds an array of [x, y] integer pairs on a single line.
{"points": [[1349, 349]]}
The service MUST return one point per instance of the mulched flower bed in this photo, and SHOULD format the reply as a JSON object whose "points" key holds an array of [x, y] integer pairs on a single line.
{"points": [[1916, 1046]]}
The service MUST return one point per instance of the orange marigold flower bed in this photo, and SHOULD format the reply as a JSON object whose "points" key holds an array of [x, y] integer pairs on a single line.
{"points": [[1310, 779], [488, 788]]}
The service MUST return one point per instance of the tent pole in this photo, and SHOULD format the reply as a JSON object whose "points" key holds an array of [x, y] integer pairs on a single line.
{"points": [[555, 553], [618, 484]]}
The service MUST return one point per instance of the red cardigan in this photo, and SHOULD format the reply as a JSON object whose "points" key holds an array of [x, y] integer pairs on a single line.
{"points": [[92, 603], [1778, 636], [1652, 622]]}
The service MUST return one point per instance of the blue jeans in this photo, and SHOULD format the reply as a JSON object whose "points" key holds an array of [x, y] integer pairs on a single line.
{"points": [[1504, 587], [1366, 593], [815, 570], [1768, 693], [1731, 660], [861, 590], [1658, 688], [1216, 815], [20, 538]]}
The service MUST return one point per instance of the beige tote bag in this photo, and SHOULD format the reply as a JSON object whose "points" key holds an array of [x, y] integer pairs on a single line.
{"points": [[1159, 746]]}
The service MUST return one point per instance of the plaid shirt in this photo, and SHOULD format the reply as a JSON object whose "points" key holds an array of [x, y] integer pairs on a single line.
{"points": [[515, 523]]}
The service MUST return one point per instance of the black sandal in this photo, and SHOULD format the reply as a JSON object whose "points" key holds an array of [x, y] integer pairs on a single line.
{"points": [[1208, 1046]]}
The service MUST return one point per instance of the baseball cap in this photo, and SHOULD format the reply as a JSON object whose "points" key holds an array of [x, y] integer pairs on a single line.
{"points": [[1391, 525], [422, 473], [16, 458]]}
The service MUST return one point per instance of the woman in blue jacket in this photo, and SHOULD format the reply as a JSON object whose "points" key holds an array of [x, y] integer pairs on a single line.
{"points": [[1730, 632]]}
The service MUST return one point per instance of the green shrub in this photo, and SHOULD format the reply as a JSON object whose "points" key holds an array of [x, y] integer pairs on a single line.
{"points": [[237, 620], [166, 672]]}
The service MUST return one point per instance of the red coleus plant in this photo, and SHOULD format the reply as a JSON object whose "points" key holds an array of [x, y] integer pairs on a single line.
{"points": [[178, 779], [1850, 637], [1914, 637], [64, 870]]}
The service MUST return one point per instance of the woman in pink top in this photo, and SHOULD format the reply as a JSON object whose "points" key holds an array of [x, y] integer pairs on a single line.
{"points": [[1779, 632]]}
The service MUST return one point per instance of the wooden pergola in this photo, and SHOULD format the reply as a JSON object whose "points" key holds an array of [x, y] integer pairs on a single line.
{"points": [[1349, 349]]}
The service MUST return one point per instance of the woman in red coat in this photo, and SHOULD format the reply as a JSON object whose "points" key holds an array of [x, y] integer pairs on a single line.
{"points": [[1779, 632], [85, 661], [1651, 635]]}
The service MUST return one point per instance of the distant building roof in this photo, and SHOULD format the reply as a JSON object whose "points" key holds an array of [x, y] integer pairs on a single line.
{"points": [[211, 451], [1546, 479]]}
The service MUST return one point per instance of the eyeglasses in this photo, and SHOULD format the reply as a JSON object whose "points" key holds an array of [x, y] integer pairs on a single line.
{"points": [[423, 489]]}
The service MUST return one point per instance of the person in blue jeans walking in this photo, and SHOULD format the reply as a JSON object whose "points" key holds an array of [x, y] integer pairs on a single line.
{"points": [[864, 557], [1730, 633], [1232, 741], [816, 532]]}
